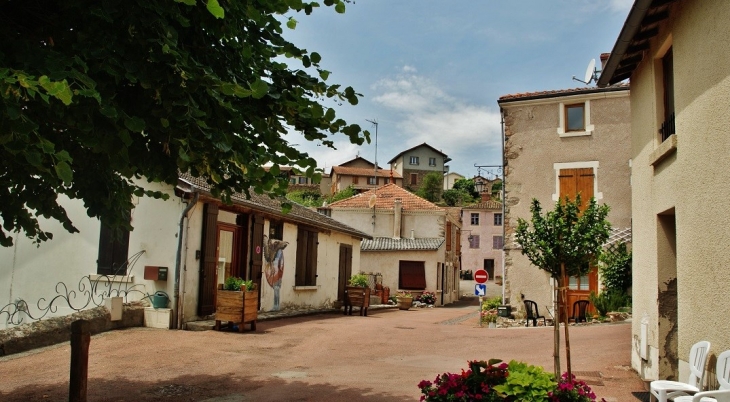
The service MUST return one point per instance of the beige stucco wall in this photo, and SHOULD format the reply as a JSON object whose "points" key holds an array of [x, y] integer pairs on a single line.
{"points": [[30, 273], [535, 152], [693, 181], [423, 223], [386, 263]]}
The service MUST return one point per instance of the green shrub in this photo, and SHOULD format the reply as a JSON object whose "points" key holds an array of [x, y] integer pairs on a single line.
{"points": [[308, 198], [341, 195], [526, 383], [359, 280], [235, 284], [616, 268], [491, 304], [609, 300]]}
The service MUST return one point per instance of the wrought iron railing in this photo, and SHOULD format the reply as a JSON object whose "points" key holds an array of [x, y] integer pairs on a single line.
{"points": [[667, 128], [90, 292]]}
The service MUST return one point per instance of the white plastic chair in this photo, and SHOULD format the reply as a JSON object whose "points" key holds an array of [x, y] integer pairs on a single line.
{"points": [[722, 369], [662, 390]]}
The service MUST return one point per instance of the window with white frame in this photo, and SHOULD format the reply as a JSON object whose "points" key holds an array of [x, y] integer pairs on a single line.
{"points": [[475, 218], [497, 219], [575, 119], [414, 160], [372, 181]]}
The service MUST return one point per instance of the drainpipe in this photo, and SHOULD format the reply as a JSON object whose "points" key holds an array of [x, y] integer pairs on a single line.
{"points": [[176, 292], [504, 203]]}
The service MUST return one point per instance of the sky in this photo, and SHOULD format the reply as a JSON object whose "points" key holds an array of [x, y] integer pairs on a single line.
{"points": [[432, 70]]}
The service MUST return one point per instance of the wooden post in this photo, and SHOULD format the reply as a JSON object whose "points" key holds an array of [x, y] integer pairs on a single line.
{"points": [[80, 340]]}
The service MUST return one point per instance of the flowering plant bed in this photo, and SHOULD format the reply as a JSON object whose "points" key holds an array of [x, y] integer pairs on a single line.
{"points": [[494, 380], [427, 297]]}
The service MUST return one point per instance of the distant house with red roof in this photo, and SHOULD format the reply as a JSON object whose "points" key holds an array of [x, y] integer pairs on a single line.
{"points": [[415, 244], [362, 175]]}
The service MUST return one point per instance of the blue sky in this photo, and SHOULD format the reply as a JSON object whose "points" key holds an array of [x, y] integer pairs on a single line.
{"points": [[432, 70]]}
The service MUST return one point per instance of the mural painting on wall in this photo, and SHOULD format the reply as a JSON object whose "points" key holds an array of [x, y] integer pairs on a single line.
{"points": [[274, 266]]}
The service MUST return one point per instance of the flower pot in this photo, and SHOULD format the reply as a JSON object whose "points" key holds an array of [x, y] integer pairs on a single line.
{"points": [[404, 303], [492, 325], [239, 307]]}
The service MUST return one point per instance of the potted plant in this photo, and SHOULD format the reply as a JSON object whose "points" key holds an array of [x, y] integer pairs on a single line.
{"points": [[427, 298], [405, 299], [357, 294], [237, 301]]}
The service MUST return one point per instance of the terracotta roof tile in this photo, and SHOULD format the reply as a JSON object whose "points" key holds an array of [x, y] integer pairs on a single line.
{"points": [[560, 92], [486, 205], [264, 203], [385, 197], [402, 244], [352, 171]]}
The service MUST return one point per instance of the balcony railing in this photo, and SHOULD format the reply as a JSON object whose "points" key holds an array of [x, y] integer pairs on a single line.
{"points": [[667, 128]]}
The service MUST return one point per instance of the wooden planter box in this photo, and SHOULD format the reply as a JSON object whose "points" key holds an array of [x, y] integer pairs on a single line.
{"points": [[356, 296], [236, 307]]}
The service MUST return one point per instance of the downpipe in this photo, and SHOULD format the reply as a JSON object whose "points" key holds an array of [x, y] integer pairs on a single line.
{"points": [[176, 291]]}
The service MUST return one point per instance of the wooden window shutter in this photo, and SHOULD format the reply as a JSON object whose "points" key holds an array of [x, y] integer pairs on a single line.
{"points": [[312, 258], [301, 269], [113, 251], [575, 181], [412, 275], [208, 264], [448, 236], [458, 242]]}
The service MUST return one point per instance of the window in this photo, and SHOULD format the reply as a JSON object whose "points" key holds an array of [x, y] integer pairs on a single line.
{"points": [[293, 180], [113, 251], [386, 180], [431, 161], [475, 218], [411, 275], [473, 241], [355, 179], [579, 283], [325, 211], [276, 230], [372, 180], [306, 269], [414, 178], [575, 117], [302, 180], [497, 242], [414, 160], [667, 128], [497, 219]]}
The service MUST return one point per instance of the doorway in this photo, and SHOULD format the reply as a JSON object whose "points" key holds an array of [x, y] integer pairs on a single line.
{"points": [[489, 267]]}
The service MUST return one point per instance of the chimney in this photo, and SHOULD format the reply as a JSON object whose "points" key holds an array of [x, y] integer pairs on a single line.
{"points": [[398, 209], [486, 197], [604, 59]]}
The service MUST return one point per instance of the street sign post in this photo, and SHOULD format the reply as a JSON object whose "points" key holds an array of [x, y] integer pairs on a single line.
{"points": [[481, 276]]}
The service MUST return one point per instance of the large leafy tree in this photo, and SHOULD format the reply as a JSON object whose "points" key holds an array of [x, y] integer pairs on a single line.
{"points": [[431, 187], [564, 242], [98, 96]]}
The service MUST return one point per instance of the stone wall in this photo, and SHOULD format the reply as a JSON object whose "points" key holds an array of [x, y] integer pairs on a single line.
{"points": [[58, 329]]}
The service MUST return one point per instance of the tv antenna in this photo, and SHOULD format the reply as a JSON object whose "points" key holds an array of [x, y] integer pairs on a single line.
{"points": [[591, 74]]}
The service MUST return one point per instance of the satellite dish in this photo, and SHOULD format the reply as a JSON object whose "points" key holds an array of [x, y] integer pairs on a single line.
{"points": [[591, 73], [371, 201]]}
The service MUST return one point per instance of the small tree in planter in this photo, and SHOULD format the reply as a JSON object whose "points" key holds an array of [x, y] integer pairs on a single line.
{"points": [[564, 242], [237, 301]]}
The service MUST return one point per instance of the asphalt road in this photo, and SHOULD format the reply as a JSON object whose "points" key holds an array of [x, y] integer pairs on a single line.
{"points": [[323, 357]]}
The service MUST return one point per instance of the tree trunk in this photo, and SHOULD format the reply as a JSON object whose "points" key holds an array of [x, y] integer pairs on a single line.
{"points": [[556, 329], [564, 290]]}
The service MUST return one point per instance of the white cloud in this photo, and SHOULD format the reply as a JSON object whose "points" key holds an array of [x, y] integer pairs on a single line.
{"points": [[409, 69], [427, 113]]}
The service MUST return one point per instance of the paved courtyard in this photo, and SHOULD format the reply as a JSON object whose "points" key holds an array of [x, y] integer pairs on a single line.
{"points": [[320, 357]]}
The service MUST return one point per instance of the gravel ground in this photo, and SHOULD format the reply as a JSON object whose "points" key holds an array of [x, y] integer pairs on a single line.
{"points": [[323, 357]]}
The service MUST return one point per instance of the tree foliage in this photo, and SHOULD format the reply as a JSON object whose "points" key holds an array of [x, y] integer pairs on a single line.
{"points": [[564, 235], [463, 192], [96, 97], [468, 186], [431, 187], [616, 268]]}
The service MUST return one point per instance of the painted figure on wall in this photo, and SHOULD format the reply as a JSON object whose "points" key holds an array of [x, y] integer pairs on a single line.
{"points": [[274, 266]]}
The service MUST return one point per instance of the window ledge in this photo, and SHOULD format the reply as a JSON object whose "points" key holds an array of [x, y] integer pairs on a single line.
{"points": [[563, 134], [306, 288], [111, 278], [666, 148]]}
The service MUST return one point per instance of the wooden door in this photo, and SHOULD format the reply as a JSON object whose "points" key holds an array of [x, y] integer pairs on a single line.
{"points": [[573, 182], [208, 264], [489, 267], [345, 270]]}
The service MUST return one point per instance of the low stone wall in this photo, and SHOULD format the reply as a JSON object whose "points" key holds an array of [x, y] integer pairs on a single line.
{"points": [[58, 329]]}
